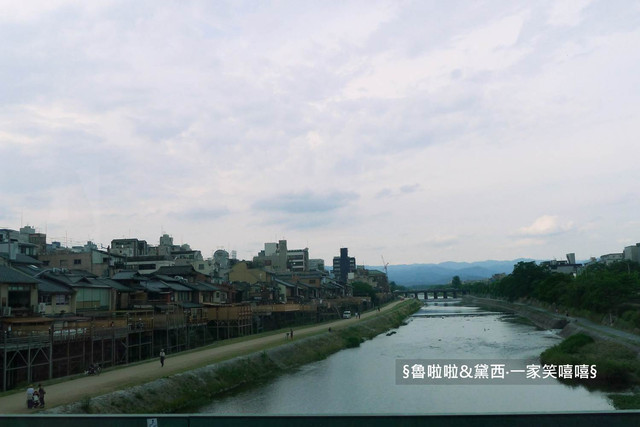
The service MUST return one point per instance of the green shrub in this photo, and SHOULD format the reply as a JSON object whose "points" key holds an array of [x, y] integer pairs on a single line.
{"points": [[353, 342], [574, 343]]}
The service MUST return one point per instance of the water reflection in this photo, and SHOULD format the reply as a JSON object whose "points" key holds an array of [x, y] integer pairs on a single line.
{"points": [[362, 380]]}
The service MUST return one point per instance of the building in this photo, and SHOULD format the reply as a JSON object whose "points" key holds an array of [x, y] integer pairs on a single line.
{"points": [[244, 271], [298, 260], [221, 266], [632, 253], [376, 279], [316, 264], [18, 293], [148, 263], [274, 256], [343, 265], [612, 258], [14, 242], [91, 259], [129, 247], [566, 267]]}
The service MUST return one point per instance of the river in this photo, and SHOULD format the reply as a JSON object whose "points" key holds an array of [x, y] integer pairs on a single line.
{"points": [[363, 380]]}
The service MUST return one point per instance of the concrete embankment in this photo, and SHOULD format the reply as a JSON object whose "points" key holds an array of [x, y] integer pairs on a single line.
{"points": [[190, 390], [541, 319], [567, 326]]}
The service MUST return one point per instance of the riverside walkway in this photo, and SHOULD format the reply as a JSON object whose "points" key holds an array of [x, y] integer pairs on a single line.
{"points": [[63, 392]]}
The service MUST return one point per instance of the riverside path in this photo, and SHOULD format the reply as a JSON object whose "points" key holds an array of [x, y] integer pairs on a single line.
{"points": [[62, 392]]}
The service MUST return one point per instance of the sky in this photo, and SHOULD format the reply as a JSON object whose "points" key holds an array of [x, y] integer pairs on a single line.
{"points": [[418, 131]]}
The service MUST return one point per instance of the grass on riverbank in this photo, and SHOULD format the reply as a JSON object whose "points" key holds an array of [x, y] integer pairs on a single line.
{"points": [[617, 366]]}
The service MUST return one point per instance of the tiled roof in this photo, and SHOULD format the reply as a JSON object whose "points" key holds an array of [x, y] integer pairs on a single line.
{"points": [[126, 275], [48, 287], [11, 275], [112, 284], [22, 259], [176, 270], [204, 287], [178, 286]]}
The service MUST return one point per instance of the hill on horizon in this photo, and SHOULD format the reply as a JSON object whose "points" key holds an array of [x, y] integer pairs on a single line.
{"points": [[412, 275]]}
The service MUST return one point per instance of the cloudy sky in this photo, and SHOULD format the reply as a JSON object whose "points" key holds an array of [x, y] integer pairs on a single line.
{"points": [[419, 131]]}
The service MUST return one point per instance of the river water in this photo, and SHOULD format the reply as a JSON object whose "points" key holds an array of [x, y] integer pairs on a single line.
{"points": [[363, 380]]}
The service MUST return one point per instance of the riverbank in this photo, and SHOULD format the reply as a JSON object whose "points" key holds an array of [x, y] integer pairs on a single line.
{"points": [[541, 319], [566, 325], [615, 353], [187, 391]]}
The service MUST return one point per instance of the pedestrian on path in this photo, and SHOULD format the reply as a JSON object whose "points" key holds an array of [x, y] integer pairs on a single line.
{"points": [[41, 393], [30, 392], [162, 355], [291, 332]]}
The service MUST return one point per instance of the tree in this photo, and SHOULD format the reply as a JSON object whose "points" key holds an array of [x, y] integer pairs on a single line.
{"points": [[361, 289], [393, 286], [456, 282]]}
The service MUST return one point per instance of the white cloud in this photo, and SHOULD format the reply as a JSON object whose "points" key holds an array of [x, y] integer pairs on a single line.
{"points": [[451, 121], [488, 48], [546, 225], [567, 12]]}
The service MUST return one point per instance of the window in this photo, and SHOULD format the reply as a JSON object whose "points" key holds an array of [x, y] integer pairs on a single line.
{"points": [[62, 299], [45, 263], [77, 261]]}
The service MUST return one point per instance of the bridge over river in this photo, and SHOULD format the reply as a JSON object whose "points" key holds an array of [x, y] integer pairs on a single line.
{"points": [[454, 293]]}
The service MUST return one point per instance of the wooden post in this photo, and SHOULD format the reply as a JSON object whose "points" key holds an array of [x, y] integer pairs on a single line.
{"points": [[90, 339], [153, 333], [113, 346], [166, 328], [51, 351], [69, 361], [4, 363], [29, 360]]}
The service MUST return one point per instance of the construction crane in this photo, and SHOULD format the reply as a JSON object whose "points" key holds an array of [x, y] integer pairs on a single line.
{"points": [[384, 265]]}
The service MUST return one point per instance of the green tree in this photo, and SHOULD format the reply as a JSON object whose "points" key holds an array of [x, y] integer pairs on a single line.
{"points": [[361, 289], [456, 282], [393, 286]]}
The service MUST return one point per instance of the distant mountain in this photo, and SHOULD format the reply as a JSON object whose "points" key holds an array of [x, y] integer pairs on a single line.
{"points": [[412, 275]]}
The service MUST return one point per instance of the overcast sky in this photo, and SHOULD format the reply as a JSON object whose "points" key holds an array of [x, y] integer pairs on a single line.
{"points": [[419, 131]]}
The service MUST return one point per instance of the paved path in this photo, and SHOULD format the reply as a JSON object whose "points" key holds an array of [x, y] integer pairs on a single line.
{"points": [[74, 390]]}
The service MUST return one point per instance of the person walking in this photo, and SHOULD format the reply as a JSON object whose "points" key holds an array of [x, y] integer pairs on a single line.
{"points": [[30, 392], [162, 356], [41, 393], [291, 332]]}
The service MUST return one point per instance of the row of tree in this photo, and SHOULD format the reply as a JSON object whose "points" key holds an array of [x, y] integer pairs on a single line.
{"points": [[600, 288]]}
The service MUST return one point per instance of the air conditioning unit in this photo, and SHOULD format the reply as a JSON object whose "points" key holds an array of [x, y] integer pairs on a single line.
{"points": [[42, 307], [6, 311]]}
